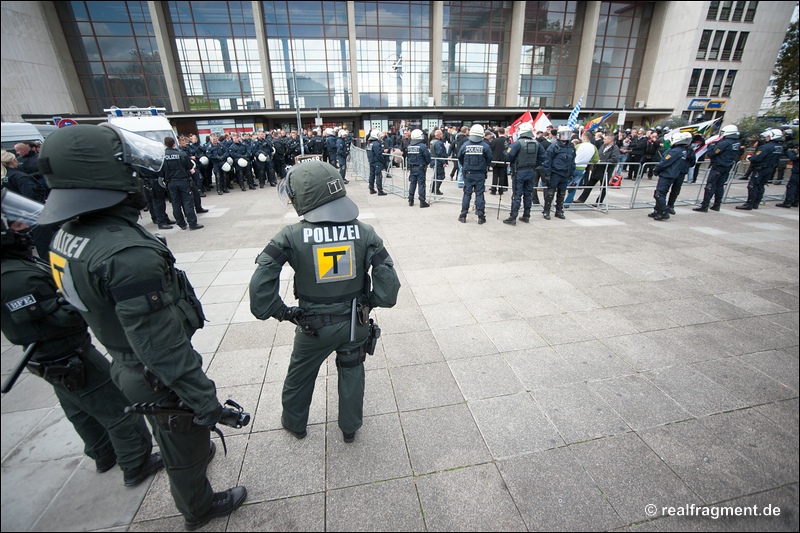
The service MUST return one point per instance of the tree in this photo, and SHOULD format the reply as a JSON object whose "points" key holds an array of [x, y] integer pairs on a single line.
{"points": [[787, 68], [751, 125], [675, 121]]}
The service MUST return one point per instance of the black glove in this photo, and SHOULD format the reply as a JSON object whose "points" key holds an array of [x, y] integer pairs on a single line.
{"points": [[292, 314], [209, 420]]}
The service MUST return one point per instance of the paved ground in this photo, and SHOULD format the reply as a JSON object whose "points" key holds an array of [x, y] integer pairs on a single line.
{"points": [[553, 376]]}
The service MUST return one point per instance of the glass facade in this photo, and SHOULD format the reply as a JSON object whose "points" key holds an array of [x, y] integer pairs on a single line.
{"points": [[310, 38], [475, 53], [393, 51], [216, 54], [115, 53], [619, 48], [550, 49]]}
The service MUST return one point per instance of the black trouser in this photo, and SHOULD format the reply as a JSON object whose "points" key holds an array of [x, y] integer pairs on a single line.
{"points": [[499, 179], [205, 172], [197, 181], [219, 177], [180, 191], [596, 177], [156, 202]]}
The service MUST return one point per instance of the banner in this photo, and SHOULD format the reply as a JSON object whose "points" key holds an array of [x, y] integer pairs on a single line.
{"points": [[525, 117], [541, 122], [704, 148], [592, 124], [573, 117], [704, 128]]}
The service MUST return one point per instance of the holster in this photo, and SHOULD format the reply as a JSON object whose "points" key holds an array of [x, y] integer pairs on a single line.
{"points": [[69, 370], [173, 423], [372, 338]]}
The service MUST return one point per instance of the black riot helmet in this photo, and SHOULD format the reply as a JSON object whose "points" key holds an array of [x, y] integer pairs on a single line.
{"points": [[316, 192], [18, 216], [90, 168]]}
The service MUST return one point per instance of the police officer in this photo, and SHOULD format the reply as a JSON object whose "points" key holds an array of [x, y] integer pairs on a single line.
{"points": [[559, 170], [195, 180], [342, 151], [177, 173], [763, 163], [439, 154], [723, 155], [375, 158], [329, 153], [315, 144], [331, 253], [241, 164], [474, 157], [279, 157], [525, 156], [293, 148], [672, 168], [156, 200], [790, 200], [65, 356], [262, 149], [196, 151], [144, 311], [419, 158], [216, 153]]}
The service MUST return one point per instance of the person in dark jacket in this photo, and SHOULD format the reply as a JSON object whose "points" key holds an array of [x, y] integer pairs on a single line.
{"points": [[177, 172], [559, 170], [723, 155], [375, 158], [671, 170], [499, 147], [763, 163]]}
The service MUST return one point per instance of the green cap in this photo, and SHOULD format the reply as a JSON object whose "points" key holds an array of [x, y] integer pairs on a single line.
{"points": [[318, 194]]}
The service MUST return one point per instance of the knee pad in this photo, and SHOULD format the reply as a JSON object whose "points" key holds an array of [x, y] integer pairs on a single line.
{"points": [[655, 194]]}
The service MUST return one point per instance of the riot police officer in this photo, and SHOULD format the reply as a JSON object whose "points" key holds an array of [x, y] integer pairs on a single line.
{"points": [[241, 164], [156, 200], [673, 167], [331, 253], [216, 153], [342, 151], [279, 157], [419, 158], [474, 157], [315, 144], [790, 200], [262, 150], [65, 356], [723, 155], [177, 173], [763, 162], [375, 158], [559, 170], [123, 281], [525, 156], [329, 152], [440, 155]]}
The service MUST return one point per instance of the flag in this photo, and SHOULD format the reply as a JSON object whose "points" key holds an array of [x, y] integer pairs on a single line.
{"points": [[704, 128], [592, 124], [703, 149], [573, 117], [541, 122], [525, 117]]}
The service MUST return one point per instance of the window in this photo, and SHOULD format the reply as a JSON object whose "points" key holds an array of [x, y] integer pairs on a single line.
{"points": [[726, 51], [716, 44], [712, 11], [694, 81], [737, 54], [725, 13], [738, 11], [704, 42], [750, 15], [706, 82], [726, 91], [717, 85]]}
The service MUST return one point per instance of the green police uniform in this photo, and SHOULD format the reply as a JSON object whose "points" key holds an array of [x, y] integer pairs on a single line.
{"points": [[331, 259], [66, 358], [123, 281]]}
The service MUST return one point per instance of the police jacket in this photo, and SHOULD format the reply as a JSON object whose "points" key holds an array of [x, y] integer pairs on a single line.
{"points": [[315, 144], [144, 311], [324, 283], [30, 163], [195, 149], [375, 152], [767, 156], [675, 163], [293, 148], [724, 153], [31, 310], [330, 145], [559, 160], [280, 148], [341, 148], [418, 155], [238, 150], [474, 158], [176, 165], [525, 155], [263, 146], [216, 153], [22, 183], [792, 153]]}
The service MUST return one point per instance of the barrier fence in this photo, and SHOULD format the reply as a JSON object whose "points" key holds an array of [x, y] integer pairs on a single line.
{"points": [[635, 191]]}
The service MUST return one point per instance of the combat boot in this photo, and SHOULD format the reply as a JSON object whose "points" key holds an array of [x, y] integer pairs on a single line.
{"points": [[152, 464], [662, 216], [511, 221], [105, 463], [423, 203], [481, 220], [716, 206], [654, 214], [525, 218], [411, 203], [462, 219], [560, 204], [548, 201], [223, 504], [701, 208], [783, 204]]}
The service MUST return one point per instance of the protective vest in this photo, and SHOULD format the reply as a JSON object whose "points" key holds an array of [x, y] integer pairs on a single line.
{"points": [[474, 160], [330, 145], [263, 147], [341, 148], [416, 155], [330, 261], [528, 150], [215, 153], [176, 165], [767, 156], [78, 246], [724, 153], [375, 152], [238, 150], [674, 163]]}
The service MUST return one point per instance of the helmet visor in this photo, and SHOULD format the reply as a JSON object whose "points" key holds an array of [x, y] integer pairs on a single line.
{"points": [[18, 208], [564, 135], [140, 151], [285, 192]]}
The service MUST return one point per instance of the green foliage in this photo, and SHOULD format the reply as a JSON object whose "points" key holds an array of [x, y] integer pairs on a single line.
{"points": [[751, 125], [787, 68], [786, 109], [675, 121]]}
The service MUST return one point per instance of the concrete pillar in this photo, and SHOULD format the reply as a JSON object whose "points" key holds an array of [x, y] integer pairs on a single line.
{"points": [[651, 51], [171, 75], [588, 36], [64, 58], [263, 55], [437, 36], [351, 35], [515, 53]]}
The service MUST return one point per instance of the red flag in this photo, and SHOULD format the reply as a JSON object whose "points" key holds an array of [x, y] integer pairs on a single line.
{"points": [[541, 122], [525, 117]]}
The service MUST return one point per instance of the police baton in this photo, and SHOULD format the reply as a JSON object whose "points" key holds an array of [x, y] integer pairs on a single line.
{"points": [[23, 362]]}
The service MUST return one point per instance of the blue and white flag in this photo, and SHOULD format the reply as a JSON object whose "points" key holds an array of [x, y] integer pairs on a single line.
{"points": [[573, 117]]}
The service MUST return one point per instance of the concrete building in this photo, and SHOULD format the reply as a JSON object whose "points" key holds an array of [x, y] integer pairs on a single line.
{"points": [[230, 65]]}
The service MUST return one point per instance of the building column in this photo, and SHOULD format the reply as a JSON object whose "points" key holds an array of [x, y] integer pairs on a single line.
{"points": [[437, 36], [588, 37], [168, 65], [515, 53], [64, 58], [351, 37], [263, 54], [651, 51]]}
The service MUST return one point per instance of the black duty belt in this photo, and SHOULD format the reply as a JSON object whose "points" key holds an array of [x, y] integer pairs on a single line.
{"points": [[315, 322]]}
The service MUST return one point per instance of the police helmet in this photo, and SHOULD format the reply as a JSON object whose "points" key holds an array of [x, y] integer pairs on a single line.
{"points": [[417, 135], [564, 133], [526, 130], [374, 135], [342, 133], [316, 191], [777, 135], [729, 131], [230, 160], [19, 216], [226, 166], [328, 131], [204, 160], [788, 133], [89, 168], [476, 133], [628, 130], [242, 162], [262, 157], [681, 138]]}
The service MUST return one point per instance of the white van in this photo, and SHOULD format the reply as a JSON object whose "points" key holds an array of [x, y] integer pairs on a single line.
{"points": [[147, 121], [15, 132]]}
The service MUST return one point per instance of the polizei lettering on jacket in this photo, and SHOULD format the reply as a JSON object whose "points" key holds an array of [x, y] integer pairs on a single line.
{"points": [[331, 234], [68, 245], [473, 149], [172, 156]]}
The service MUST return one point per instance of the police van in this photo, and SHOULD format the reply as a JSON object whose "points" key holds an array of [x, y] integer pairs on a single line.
{"points": [[16, 132], [150, 122]]}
